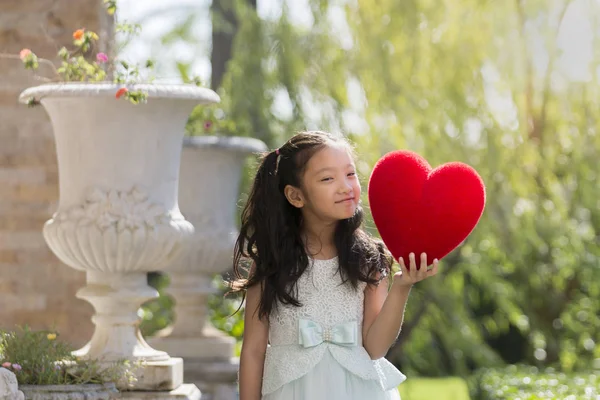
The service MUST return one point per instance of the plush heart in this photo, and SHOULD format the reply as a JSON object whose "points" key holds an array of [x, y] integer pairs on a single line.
{"points": [[419, 209]]}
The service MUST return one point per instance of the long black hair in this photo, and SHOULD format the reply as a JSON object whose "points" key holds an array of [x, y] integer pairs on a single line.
{"points": [[271, 231]]}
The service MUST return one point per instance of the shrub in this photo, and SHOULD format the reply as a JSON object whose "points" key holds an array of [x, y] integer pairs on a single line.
{"points": [[38, 358], [529, 383]]}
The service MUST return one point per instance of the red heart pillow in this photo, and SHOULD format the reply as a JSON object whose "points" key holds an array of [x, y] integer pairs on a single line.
{"points": [[417, 209]]}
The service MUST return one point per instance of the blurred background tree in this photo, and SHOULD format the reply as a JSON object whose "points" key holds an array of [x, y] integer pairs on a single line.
{"points": [[484, 82]]}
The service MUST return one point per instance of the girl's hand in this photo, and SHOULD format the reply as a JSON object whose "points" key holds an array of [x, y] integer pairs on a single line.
{"points": [[407, 278]]}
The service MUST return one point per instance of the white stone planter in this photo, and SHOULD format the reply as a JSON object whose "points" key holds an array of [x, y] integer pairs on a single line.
{"points": [[118, 216], [69, 392], [211, 171]]}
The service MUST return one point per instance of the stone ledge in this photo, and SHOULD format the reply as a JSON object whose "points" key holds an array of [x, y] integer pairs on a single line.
{"points": [[160, 375], [183, 392]]}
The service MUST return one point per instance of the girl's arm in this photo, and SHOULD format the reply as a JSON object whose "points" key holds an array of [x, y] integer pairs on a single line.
{"points": [[254, 347], [384, 311]]}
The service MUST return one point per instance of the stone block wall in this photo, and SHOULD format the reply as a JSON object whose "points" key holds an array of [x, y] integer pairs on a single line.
{"points": [[35, 288]]}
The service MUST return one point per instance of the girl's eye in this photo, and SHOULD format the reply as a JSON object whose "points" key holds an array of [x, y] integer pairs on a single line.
{"points": [[352, 174], [326, 179]]}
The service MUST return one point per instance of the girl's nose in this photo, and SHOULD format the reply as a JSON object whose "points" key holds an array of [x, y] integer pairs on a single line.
{"points": [[346, 188]]}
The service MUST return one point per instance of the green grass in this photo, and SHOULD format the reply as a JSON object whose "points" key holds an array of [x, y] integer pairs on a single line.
{"points": [[434, 389], [527, 382]]}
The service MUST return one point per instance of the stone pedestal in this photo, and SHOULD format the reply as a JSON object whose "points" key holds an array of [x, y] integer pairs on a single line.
{"points": [[117, 330], [192, 335]]}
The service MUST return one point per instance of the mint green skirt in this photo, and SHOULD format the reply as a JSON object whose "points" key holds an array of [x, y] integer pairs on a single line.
{"points": [[328, 380]]}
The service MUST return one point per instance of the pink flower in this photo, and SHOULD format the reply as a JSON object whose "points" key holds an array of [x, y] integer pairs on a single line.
{"points": [[6, 364], [24, 53], [17, 367], [207, 125], [101, 57]]}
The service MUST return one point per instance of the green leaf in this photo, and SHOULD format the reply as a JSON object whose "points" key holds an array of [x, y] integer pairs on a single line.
{"points": [[63, 53], [183, 69]]}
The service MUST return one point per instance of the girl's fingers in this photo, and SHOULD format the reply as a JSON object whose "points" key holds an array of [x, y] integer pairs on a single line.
{"points": [[434, 270], [424, 260], [413, 264], [403, 266], [423, 266]]}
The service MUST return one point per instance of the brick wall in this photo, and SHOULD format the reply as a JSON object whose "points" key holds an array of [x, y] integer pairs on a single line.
{"points": [[35, 288]]}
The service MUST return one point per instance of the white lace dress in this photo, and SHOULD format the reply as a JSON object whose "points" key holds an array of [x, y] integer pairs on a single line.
{"points": [[316, 351]]}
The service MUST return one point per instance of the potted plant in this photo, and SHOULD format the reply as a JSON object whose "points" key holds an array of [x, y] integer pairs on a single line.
{"points": [[46, 368]]}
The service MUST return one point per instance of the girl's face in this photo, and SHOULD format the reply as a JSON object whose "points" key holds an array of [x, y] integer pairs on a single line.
{"points": [[330, 188]]}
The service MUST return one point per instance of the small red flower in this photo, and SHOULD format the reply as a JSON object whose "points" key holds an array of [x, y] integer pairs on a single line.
{"points": [[121, 92], [207, 125]]}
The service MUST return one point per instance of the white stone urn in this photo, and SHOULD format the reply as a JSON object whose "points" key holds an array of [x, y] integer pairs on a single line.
{"points": [[118, 215], [211, 171]]}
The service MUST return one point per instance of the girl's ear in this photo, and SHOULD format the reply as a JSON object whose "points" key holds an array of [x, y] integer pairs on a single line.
{"points": [[294, 196]]}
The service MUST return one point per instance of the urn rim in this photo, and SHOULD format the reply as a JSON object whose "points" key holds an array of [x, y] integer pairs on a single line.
{"points": [[233, 143], [154, 90]]}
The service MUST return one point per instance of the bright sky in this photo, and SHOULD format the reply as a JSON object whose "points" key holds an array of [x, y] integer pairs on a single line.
{"points": [[575, 40], [159, 18]]}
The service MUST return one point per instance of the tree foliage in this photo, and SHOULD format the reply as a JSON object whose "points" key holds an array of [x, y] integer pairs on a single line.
{"points": [[456, 80]]}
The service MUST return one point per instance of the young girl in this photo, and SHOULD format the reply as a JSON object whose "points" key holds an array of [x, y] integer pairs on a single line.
{"points": [[318, 319]]}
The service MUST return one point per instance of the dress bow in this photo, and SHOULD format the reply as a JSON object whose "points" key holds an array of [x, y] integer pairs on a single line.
{"points": [[312, 333]]}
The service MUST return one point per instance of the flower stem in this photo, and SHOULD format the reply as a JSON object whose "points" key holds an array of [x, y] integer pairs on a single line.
{"points": [[40, 60]]}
